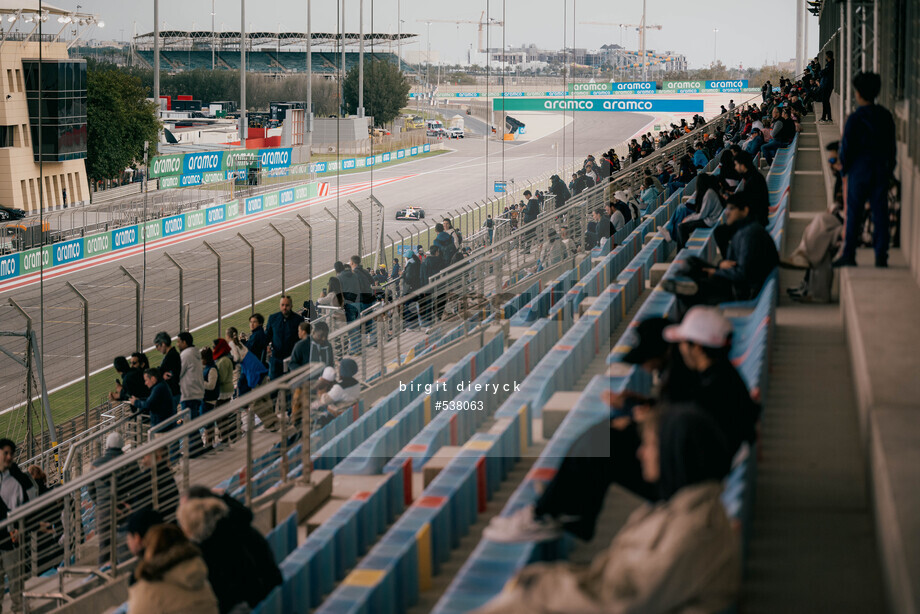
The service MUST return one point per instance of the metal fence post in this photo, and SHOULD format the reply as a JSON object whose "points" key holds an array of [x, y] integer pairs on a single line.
{"points": [[309, 256], [306, 459], [283, 286], [181, 289], [252, 271], [336, 220], [360, 228], [219, 302], [137, 307], [85, 349]]}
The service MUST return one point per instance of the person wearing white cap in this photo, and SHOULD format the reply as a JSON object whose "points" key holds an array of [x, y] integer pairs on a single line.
{"points": [[704, 339]]}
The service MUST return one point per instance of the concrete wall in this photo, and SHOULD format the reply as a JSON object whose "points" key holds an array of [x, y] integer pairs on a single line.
{"points": [[20, 185]]}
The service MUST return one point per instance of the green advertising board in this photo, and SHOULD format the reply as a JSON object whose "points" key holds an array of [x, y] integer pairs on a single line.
{"points": [[169, 182], [195, 219], [30, 261], [162, 166], [270, 201], [94, 245], [233, 209], [152, 231]]}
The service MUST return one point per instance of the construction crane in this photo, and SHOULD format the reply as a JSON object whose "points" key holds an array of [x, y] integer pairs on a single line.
{"points": [[482, 22], [639, 26]]}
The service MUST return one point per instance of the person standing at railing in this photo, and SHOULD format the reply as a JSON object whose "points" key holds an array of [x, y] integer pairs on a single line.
{"points": [[132, 381], [222, 359], [351, 291], [282, 335], [191, 383], [171, 366], [159, 405], [16, 489], [257, 342]]}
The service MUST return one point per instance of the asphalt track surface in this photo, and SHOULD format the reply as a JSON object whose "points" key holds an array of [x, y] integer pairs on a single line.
{"points": [[439, 184]]}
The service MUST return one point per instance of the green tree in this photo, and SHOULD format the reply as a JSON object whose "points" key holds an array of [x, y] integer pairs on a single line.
{"points": [[386, 91], [119, 119]]}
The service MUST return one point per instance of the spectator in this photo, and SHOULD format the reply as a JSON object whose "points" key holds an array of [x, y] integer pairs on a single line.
{"points": [[241, 567], [136, 528], [320, 348], [16, 489], [707, 208], [558, 189], [171, 366], [700, 159], [751, 258], [351, 292], [649, 195], [336, 299], [753, 187], [282, 330], [211, 376], [325, 382], [602, 228], [365, 284], [420, 252], [819, 242], [191, 382], [238, 352], [347, 389], [395, 270], [132, 381], [868, 155], [454, 234], [783, 133], [433, 265], [172, 578], [300, 355], [224, 363], [257, 343], [489, 225], [678, 555], [826, 87], [443, 242], [754, 143], [432, 302], [114, 503], [727, 171], [140, 361], [159, 404]]}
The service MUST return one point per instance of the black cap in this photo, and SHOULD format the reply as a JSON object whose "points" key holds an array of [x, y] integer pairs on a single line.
{"points": [[648, 341], [140, 521]]}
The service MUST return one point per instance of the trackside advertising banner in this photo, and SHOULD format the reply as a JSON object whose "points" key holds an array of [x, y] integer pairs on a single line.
{"points": [[693, 87], [350, 164], [202, 163], [651, 105], [612, 87], [66, 252]]}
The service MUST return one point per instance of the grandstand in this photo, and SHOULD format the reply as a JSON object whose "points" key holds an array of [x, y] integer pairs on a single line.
{"points": [[268, 52], [382, 507]]}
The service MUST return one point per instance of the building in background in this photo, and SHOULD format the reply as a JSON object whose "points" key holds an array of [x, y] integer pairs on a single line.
{"points": [[43, 135]]}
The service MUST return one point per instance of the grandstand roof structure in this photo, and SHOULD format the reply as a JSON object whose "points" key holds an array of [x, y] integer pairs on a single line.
{"points": [[183, 38]]}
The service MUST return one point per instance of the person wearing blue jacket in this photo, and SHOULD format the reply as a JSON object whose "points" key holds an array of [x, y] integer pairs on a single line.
{"points": [[159, 405], [868, 154], [700, 159], [444, 242]]}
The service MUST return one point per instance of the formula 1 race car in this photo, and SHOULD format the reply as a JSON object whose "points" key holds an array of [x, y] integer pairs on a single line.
{"points": [[410, 213]]}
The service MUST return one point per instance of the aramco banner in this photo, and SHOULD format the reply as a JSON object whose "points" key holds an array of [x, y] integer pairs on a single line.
{"points": [[692, 87], [651, 105], [612, 87]]}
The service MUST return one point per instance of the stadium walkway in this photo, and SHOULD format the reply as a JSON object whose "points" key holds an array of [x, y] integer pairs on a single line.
{"points": [[813, 546]]}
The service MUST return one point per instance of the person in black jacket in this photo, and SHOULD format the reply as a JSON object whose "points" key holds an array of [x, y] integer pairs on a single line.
{"points": [[753, 187], [282, 335], [159, 405], [826, 87], [171, 366], [257, 342], [132, 382], [751, 257], [16, 489], [434, 264], [241, 566]]}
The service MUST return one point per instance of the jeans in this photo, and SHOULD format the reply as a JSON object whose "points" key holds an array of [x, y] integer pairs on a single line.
{"points": [[675, 185], [769, 149], [599, 458], [275, 367], [677, 217], [870, 186]]}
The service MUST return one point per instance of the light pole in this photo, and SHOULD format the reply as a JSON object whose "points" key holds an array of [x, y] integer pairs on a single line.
{"points": [[244, 124], [361, 61], [715, 40], [156, 54], [399, 35], [213, 14], [428, 61], [309, 118]]}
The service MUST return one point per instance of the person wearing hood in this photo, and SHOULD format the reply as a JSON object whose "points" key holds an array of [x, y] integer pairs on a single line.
{"points": [[347, 389], [558, 189], [677, 555], [240, 565], [129, 480], [649, 195], [171, 578]]}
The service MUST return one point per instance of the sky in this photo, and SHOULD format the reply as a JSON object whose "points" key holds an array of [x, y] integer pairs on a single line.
{"points": [[747, 35]]}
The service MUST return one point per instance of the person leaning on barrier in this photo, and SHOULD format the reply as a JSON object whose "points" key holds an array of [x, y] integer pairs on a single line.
{"points": [[159, 404], [16, 489], [241, 566], [132, 381], [257, 342]]}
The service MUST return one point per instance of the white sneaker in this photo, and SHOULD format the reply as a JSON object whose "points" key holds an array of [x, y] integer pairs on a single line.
{"points": [[664, 233], [523, 527]]}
